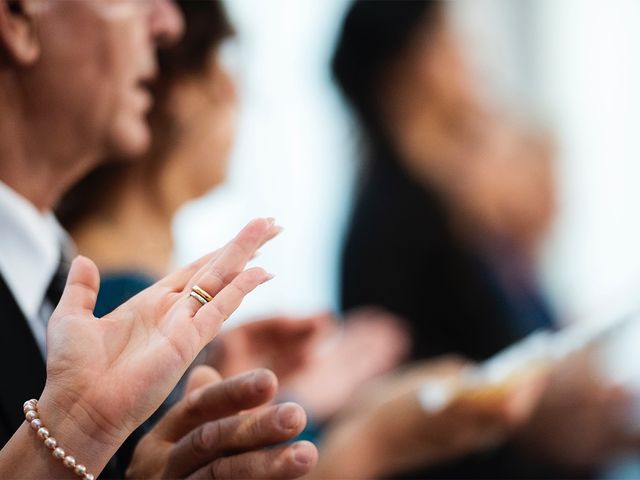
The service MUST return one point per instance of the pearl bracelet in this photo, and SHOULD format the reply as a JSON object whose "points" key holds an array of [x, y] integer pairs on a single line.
{"points": [[30, 408]]}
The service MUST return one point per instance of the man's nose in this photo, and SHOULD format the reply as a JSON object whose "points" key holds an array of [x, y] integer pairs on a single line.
{"points": [[166, 21]]}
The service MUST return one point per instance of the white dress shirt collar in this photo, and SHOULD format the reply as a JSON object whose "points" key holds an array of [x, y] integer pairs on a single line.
{"points": [[30, 248]]}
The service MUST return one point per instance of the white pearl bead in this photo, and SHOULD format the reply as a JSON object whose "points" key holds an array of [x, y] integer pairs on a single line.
{"points": [[30, 403], [36, 424], [31, 415], [43, 433], [28, 407], [58, 452], [88, 476], [69, 461], [51, 443], [80, 469]]}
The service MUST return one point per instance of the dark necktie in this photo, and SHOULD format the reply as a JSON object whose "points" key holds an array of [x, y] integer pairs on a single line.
{"points": [[58, 281]]}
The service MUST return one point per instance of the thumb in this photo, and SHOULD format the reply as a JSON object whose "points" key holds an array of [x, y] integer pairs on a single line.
{"points": [[81, 291], [200, 376]]}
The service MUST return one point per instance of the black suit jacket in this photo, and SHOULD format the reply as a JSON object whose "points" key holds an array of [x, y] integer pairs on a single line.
{"points": [[24, 374], [24, 377]]}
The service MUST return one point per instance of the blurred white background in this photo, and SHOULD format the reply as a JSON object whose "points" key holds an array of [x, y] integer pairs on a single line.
{"points": [[574, 65], [293, 158]]}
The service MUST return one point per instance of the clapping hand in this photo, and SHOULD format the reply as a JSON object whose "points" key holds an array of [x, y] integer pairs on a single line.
{"points": [[206, 434], [283, 344], [106, 376]]}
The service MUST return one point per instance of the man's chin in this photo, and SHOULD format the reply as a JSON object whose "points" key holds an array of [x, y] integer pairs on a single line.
{"points": [[131, 142]]}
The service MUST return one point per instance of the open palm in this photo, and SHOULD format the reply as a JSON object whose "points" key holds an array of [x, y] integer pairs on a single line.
{"points": [[118, 369]]}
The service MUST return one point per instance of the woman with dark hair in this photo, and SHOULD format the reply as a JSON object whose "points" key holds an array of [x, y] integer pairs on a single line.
{"points": [[423, 128], [452, 203]]}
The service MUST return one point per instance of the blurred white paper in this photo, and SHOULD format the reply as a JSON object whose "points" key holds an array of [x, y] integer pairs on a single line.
{"points": [[617, 344]]}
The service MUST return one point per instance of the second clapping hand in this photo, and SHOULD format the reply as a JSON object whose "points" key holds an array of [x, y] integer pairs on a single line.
{"points": [[106, 376]]}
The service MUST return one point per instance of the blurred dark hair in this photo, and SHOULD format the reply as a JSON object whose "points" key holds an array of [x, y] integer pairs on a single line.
{"points": [[373, 35], [206, 27]]}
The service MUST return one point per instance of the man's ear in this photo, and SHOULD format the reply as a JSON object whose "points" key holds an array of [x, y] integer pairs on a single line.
{"points": [[19, 43]]}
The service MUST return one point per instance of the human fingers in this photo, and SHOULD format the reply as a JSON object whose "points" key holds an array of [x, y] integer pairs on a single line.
{"points": [[81, 290], [284, 328], [214, 401], [208, 318], [219, 272], [178, 280], [242, 248], [239, 433], [291, 461], [201, 376]]}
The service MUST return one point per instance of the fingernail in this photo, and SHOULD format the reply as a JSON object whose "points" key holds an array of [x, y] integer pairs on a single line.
{"points": [[270, 276], [271, 220], [301, 455], [288, 416], [262, 381]]}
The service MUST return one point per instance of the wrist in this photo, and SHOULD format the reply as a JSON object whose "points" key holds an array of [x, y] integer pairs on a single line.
{"points": [[77, 431]]}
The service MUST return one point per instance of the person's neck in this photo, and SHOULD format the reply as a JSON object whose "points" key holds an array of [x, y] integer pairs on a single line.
{"points": [[35, 179], [34, 168], [136, 235]]}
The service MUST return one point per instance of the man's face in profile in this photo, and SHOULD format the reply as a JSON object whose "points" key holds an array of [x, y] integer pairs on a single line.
{"points": [[96, 60]]}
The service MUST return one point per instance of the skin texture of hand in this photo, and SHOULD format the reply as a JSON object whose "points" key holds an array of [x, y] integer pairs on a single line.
{"points": [[282, 344], [580, 420], [388, 431], [369, 343], [205, 435], [106, 376]]}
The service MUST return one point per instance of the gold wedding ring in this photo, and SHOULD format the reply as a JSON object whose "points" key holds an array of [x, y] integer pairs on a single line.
{"points": [[200, 294]]}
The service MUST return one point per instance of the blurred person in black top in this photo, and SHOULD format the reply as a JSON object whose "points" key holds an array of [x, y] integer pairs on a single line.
{"points": [[452, 201]]}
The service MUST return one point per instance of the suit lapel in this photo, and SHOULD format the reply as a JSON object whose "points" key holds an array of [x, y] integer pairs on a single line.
{"points": [[24, 372]]}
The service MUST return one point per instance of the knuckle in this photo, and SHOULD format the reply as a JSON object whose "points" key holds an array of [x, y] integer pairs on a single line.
{"points": [[218, 311], [203, 439], [216, 274], [242, 248], [231, 392], [198, 439], [240, 288], [257, 427]]}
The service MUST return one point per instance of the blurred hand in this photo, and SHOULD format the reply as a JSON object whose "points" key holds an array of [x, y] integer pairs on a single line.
{"points": [[580, 421], [370, 343], [283, 344], [106, 376], [389, 431], [205, 435]]}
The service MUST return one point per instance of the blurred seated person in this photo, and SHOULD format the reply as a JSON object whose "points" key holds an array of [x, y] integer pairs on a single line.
{"points": [[452, 202], [121, 216]]}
